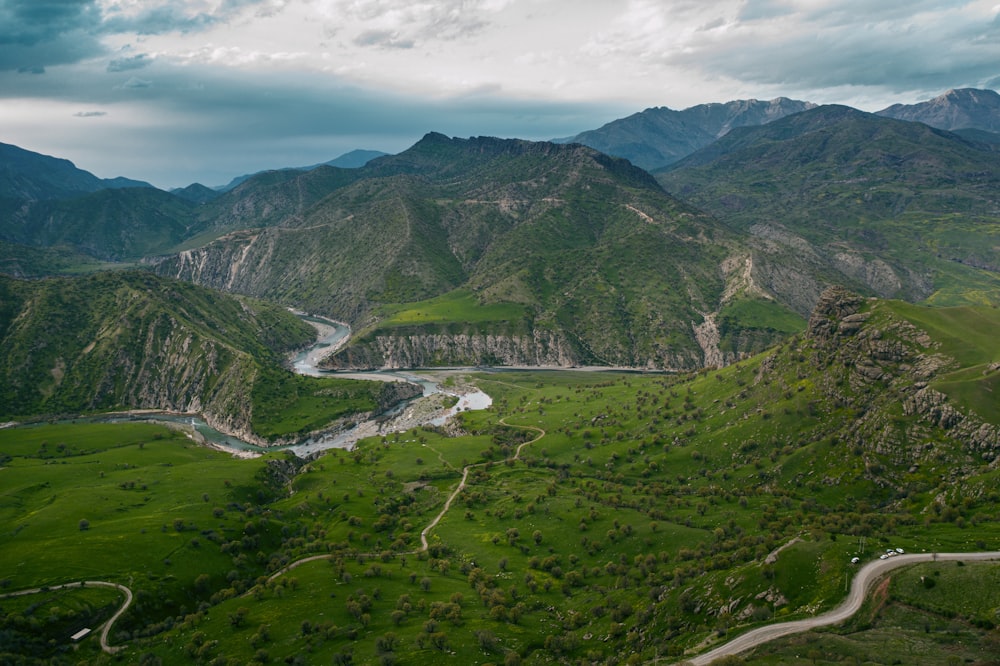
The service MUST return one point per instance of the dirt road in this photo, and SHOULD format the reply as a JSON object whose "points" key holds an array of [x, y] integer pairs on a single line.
{"points": [[90, 583], [860, 587]]}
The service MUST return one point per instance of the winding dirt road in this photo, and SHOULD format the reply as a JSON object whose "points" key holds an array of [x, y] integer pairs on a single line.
{"points": [[88, 583], [424, 544], [860, 587]]}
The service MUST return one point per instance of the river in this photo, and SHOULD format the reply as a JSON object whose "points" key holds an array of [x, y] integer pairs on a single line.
{"points": [[429, 409]]}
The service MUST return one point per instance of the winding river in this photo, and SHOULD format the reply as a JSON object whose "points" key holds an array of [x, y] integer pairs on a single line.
{"points": [[407, 415], [424, 410]]}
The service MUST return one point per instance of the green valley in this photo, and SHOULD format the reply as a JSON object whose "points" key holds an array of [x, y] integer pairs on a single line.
{"points": [[605, 517]]}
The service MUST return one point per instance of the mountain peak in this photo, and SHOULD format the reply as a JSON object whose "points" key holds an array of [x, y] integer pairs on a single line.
{"points": [[660, 136], [958, 108]]}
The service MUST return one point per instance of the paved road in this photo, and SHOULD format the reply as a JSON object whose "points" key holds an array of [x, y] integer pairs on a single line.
{"points": [[89, 583], [862, 584]]}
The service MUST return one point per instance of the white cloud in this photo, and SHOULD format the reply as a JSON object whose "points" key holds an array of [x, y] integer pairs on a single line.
{"points": [[349, 70]]}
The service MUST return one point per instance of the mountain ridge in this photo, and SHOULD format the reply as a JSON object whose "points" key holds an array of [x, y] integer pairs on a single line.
{"points": [[956, 109], [660, 136]]}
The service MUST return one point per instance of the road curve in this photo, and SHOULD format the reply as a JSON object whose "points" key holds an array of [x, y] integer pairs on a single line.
{"points": [[860, 587], [89, 583], [424, 544]]}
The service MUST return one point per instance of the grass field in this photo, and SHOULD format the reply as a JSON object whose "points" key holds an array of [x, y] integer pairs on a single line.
{"points": [[459, 307], [635, 525]]}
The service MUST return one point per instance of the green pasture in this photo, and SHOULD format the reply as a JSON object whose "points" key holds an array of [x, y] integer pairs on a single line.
{"points": [[460, 306], [635, 523], [120, 502]]}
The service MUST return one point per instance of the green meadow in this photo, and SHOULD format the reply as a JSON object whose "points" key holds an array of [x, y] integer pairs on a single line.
{"points": [[460, 306], [606, 518]]}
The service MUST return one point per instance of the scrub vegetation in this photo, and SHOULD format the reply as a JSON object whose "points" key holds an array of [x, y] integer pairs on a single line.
{"points": [[605, 518]]}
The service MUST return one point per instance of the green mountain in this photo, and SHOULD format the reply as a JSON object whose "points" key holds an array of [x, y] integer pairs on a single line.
{"points": [[108, 225], [196, 193], [838, 196], [599, 514], [353, 159], [132, 340], [26, 175], [660, 136], [557, 255]]}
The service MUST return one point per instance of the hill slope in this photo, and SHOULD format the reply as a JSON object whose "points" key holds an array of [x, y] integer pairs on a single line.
{"points": [[134, 340], [895, 208], [604, 266]]}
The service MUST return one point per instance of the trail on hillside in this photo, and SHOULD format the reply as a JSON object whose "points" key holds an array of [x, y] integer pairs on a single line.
{"points": [[424, 544]]}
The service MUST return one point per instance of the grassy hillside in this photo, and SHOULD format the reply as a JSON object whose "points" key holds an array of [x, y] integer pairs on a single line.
{"points": [[129, 339], [642, 516], [588, 247], [896, 208]]}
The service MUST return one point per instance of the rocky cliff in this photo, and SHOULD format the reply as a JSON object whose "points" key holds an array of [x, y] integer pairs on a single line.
{"points": [[540, 348]]}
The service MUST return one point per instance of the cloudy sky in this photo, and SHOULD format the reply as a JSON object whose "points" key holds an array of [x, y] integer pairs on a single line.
{"points": [[178, 91]]}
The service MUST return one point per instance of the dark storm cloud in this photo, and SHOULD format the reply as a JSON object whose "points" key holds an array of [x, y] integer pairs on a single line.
{"points": [[35, 34]]}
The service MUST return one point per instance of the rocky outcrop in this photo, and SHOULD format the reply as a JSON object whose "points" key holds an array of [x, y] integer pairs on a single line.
{"points": [[876, 359], [832, 309], [539, 348], [933, 407]]}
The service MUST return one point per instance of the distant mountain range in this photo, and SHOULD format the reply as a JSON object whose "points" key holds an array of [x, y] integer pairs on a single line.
{"points": [[658, 137], [351, 160], [964, 109], [489, 251], [25, 175]]}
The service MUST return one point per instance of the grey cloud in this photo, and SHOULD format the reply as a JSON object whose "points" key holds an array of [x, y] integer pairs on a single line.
{"points": [[163, 16], [388, 39], [89, 114], [135, 83], [34, 35], [412, 23], [127, 63], [237, 123], [876, 48]]}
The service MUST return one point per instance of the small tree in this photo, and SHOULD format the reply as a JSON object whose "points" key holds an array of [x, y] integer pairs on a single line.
{"points": [[84, 524]]}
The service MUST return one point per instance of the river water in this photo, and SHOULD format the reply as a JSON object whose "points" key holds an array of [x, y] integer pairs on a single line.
{"points": [[405, 416], [424, 410]]}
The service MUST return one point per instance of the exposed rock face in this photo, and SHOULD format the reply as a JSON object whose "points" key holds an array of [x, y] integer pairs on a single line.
{"points": [[833, 306], [541, 348], [933, 406], [707, 335], [876, 359], [955, 109]]}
